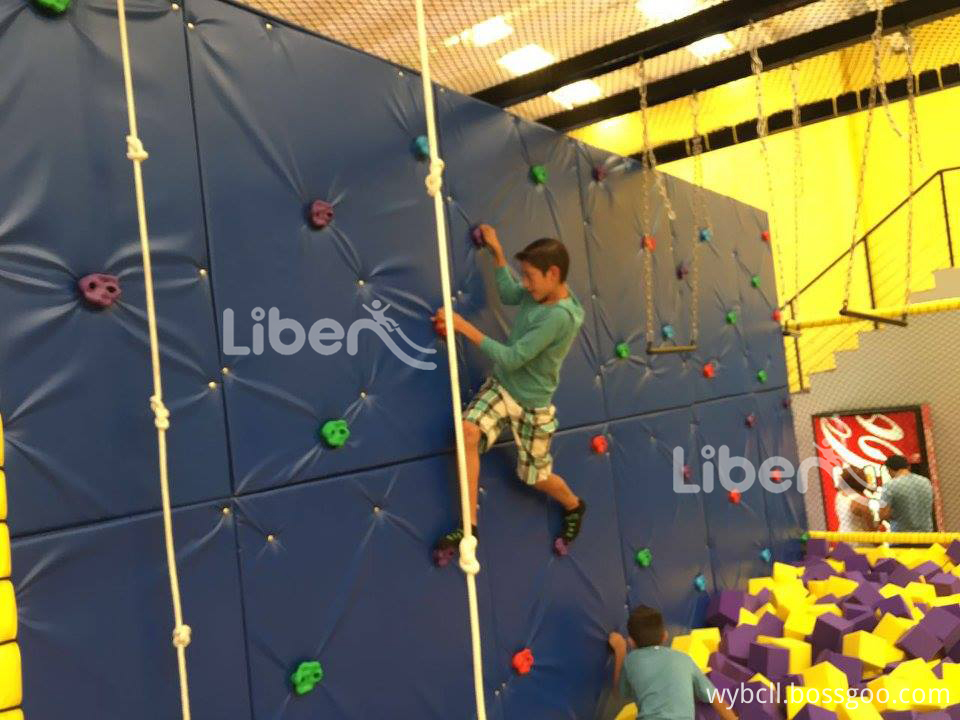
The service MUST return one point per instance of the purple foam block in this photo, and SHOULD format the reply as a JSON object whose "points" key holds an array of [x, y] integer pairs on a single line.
{"points": [[829, 599], [853, 609], [955, 609], [749, 705], [857, 563], [954, 653], [724, 607], [731, 669], [770, 625], [954, 712], [878, 577], [721, 682], [850, 666], [814, 712], [828, 633], [99, 290], [899, 715], [843, 551], [928, 569], [866, 622], [943, 625], [945, 583], [818, 570], [735, 643], [896, 606], [903, 576], [755, 602], [918, 643], [818, 548], [935, 715], [888, 565], [321, 214], [868, 595], [855, 575], [953, 552], [771, 661]]}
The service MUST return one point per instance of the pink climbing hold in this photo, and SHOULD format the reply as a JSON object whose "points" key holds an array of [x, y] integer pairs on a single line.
{"points": [[99, 290], [709, 370], [321, 214], [476, 234], [599, 173], [750, 420], [442, 558], [560, 547]]}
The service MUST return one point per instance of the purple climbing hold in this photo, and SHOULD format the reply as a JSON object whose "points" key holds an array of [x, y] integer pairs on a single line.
{"points": [[682, 271], [321, 214], [560, 547], [476, 234], [99, 290], [443, 556]]}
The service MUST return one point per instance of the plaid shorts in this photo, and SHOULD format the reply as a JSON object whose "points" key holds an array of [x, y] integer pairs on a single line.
{"points": [[493, 408]]}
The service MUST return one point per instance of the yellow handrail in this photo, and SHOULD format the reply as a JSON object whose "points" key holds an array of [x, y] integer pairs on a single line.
{"points": [[925, 308], [906, 538]]}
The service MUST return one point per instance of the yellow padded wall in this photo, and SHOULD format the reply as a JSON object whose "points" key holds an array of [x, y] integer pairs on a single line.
{"points": [[8, 612], [4, 551], [11, 715], [11, 688]]}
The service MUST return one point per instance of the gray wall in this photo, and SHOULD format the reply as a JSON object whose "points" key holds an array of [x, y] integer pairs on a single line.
{"points": [[918, 364]]}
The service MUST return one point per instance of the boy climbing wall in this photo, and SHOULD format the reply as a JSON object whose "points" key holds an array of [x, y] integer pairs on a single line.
{"points": [[526, 371]]}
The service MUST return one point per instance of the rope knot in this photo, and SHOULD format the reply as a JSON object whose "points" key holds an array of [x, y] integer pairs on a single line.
{"points": [[135, 149], [181, 636], [468, 555], [161, 416], [434, 180]]}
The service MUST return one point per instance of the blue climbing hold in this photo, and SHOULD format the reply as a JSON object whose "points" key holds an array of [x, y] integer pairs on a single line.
{"points": [[700, 583], [421, 147], [668, 332], [706, 234], [766, 555]]}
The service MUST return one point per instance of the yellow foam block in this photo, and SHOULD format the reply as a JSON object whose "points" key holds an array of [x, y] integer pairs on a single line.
{"points": [[783, 572], [799, 624], [8, 612], [694, 648], [818, 588], [800, 651], [796, 701], [876, 554], [11, 715], [875, 652], [889, 590], [889, 699], [891, 628], [951, 675], [836, 565], [921, 592], [629, 712], [766, 608], [857, 709], [747, 618], [824, 676], [761, 678], [710, 637], [4, 551], [916, 613], [11, 688], [946, 600], [755, 585], [824, 608], [3, 495], [1, 441], [840, 586]]}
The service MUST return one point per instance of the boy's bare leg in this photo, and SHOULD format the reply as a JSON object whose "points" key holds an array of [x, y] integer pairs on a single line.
{"points": [[471, 441], [557, 488]]}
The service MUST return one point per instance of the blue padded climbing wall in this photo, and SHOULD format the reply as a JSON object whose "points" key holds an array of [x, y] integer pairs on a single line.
{"points": [[289, 550]]}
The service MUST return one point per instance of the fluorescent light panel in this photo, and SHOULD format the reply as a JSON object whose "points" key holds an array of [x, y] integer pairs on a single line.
{"points": [[526, 59], [710, 46], [577, 93]]}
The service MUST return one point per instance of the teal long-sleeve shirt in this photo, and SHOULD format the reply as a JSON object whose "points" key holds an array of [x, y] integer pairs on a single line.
{"points": [[528, 364]]}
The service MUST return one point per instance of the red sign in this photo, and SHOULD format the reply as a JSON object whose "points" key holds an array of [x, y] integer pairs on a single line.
{"points": [[862, 440]]}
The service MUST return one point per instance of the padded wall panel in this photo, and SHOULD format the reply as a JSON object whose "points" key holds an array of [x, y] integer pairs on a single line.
{"points": [[348, 580], [651, 515], [737, 531], [561, 608], [283, 119], [613, 210], [488, 156], [75, 382], [96, 619], [785, 510]]}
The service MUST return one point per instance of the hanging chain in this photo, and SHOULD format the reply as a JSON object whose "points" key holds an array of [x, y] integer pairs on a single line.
{"points": [[701, 222], [912, 134], [877, 40], [650, 159], [797, 187], [762, 131]]}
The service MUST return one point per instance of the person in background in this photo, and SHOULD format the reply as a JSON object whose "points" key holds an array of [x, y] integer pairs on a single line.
{"points": [[854, 492], [906, 499]]}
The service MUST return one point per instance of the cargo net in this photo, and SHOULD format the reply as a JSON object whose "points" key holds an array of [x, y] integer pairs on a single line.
{"points": [[478, 44]]}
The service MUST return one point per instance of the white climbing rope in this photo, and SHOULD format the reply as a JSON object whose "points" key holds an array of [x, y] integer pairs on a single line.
{"points": [[434, 182], [137, 154]]}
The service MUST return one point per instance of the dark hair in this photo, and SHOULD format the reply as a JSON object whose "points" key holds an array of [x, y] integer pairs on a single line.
{"points": [[854, 479], [645, 626], [545, 253], [895, 463]]}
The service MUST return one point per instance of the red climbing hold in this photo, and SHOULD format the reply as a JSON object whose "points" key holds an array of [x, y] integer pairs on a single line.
{"points": [[100, 290], [476, 235], [321, 214], [776, 315], [687, 472], [560, 547], [750, 420], [649, 243], [734, 497], [776, 475], [599, 444], [765, 236], [599, 173], [709, 370], [523, 661]]}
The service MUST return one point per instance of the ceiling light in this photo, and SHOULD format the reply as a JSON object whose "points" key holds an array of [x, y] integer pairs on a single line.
{"points": [[664, 11], [488, 32], [526, 59], [577, 93], [710, 46]]}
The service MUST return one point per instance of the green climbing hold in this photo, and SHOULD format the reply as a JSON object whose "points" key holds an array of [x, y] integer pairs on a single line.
{"points": [[644, 557], [334, 433], [700, 583], [755, 281], [421, 147], [762, 375], [766, 555], [731, 317], [538, 173], [306, 677], [805, 537], [623, 350], [52, 7]]}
